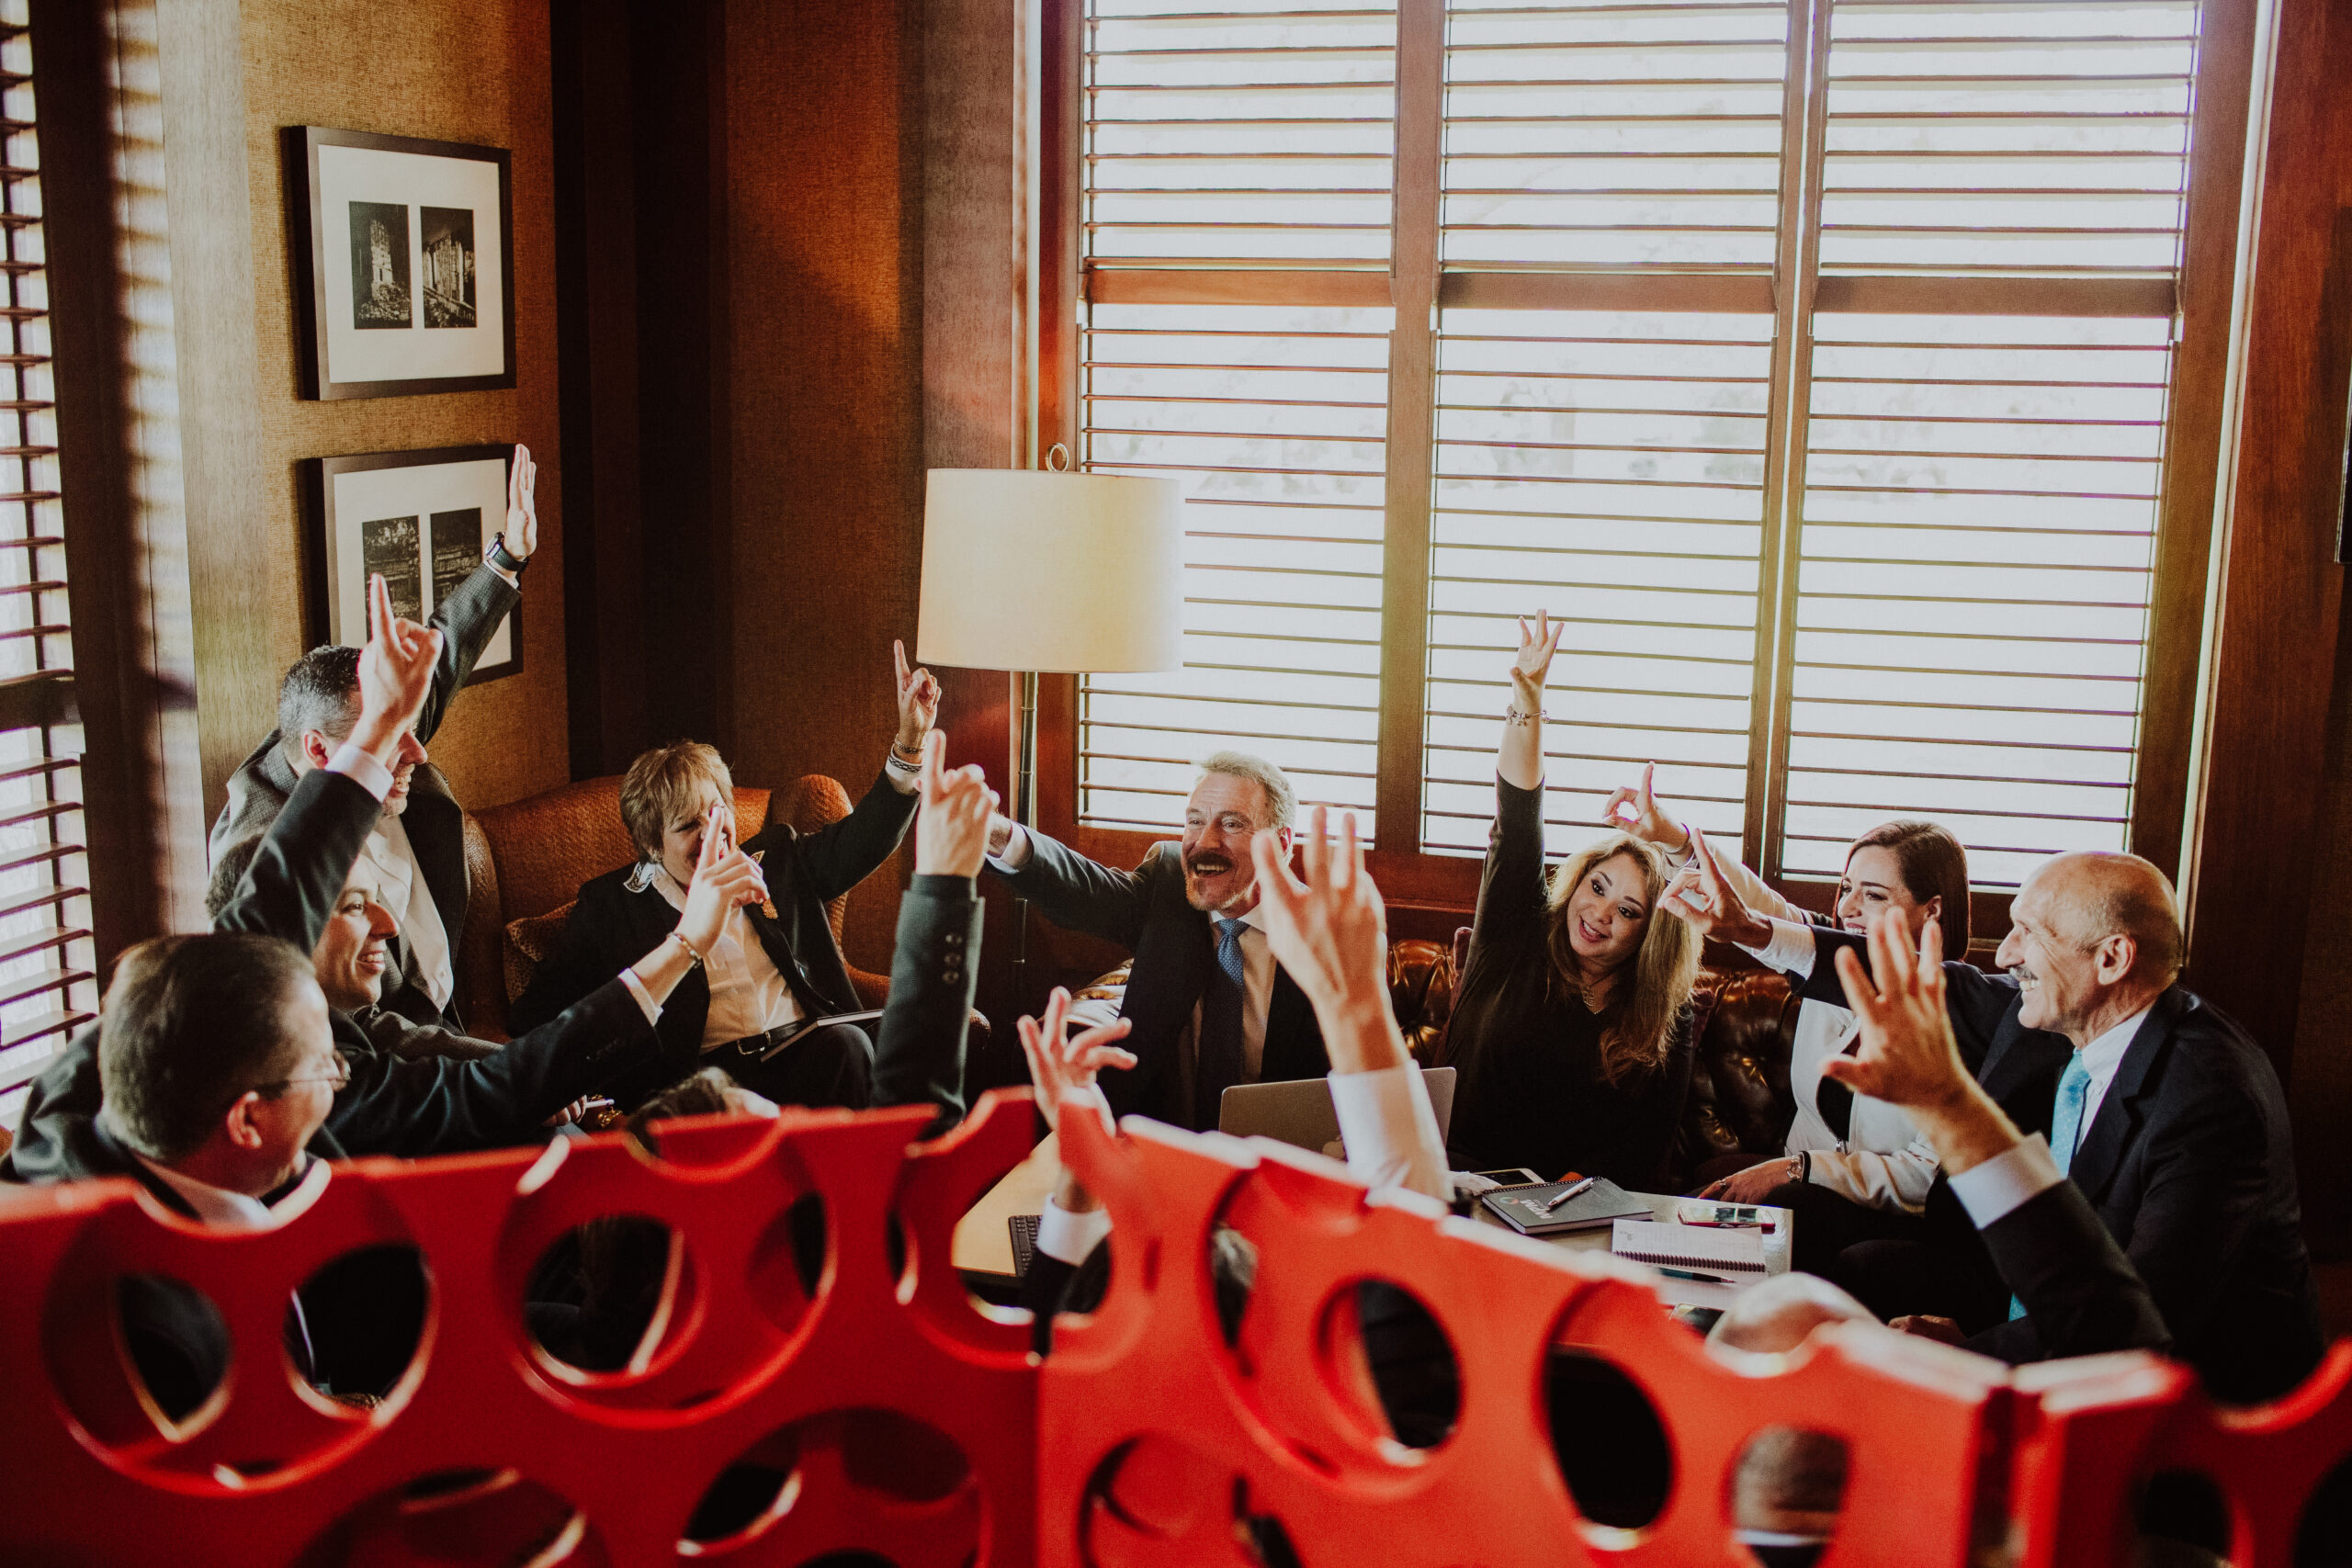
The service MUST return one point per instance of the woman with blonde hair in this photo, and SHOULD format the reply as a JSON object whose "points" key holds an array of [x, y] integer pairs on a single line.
{"points": [[1572, 1032]]}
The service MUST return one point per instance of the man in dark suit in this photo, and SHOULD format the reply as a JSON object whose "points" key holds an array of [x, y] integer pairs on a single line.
{"points": [[775, 967], [1209, 1006], [418, 847], [386, 1105], [2165, 1115]]}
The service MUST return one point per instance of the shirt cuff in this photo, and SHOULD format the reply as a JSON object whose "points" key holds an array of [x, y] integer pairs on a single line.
{"points": [[1016, 851], [1390, 1131], [1067, 1238], [644, 997], [362, 769], [905, 777], [1790, 950], [2007, 1182], [512, 581]]}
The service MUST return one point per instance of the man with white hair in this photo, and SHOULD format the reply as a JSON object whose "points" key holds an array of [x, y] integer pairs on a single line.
{"points": [[1209, 1005], [2167, 1115]]}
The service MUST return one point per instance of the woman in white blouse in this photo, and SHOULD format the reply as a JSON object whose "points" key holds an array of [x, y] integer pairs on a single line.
{"points": [[1856, 1168]]}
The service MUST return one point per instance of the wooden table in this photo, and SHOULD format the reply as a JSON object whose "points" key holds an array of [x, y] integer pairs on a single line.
{"points": [[984, 1243]]}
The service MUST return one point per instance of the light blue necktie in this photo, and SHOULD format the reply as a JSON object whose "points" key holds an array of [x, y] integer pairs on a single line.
{"points": [[1217, 1065], [2065, 1129]]}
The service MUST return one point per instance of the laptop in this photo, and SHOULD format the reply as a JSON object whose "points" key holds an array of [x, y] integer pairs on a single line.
{"points": [[1299, 1111]]}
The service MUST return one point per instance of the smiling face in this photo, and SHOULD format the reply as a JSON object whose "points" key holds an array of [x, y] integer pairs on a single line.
{"points": [[1224, 814], [682, 834], [1608, 912], [1873, 885], [404, 765], [2058, 974], [350, 959]]}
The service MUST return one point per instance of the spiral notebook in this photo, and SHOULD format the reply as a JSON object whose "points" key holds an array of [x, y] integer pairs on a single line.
{"points": [[1734, 1256]]}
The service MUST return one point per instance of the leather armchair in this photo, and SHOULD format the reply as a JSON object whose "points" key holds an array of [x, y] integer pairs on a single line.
{"points": [[525, 863]]}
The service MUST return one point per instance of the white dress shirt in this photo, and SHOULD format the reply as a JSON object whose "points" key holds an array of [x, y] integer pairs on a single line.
{"points": [[2100, 1058], [225, 1209], [404, 891], [748, 993], [1882, 1162]]}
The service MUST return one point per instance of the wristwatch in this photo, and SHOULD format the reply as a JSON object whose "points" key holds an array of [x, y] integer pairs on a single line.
{"points": [[499, 555]]}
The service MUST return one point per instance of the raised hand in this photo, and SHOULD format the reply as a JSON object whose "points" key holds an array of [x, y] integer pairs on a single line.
{"points": [[951, 833], [396, 669], [1704, 896], [1636, 811], [522, 535], [1906, 1056], [1064, 1067], [1529, 671], [724, 878], [918, 702], [1329, 932]]}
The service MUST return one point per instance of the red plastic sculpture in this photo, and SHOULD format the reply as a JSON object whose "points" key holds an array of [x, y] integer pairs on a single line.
{"points": [[893, 1416]]}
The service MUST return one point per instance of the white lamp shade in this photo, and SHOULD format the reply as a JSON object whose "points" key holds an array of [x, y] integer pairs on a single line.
{"points": [[1057, 572]]}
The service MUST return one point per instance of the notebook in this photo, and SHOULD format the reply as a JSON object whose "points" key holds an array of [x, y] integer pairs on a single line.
{"points": [[1732, 1257], [1521, 1208]]}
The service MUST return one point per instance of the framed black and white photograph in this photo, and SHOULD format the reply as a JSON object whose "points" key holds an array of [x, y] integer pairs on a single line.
{"points": [[407, 268], [421, 519]]}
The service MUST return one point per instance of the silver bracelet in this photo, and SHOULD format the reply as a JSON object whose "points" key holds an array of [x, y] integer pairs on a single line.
{"points": [[1512, 715]]}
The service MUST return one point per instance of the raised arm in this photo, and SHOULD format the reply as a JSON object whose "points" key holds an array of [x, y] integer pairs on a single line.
{"points": [[918, 1052], [307, 854], [1519, 763], [1637, 810], [1330, 931], [470, 616]]}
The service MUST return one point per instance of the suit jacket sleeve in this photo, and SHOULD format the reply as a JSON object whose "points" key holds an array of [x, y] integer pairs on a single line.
{"points": [[839, 857], [1976, 1001], [304, 860], [467, 620], [1081, 895], [435, 1105], [582, 960], [2081, 1294], [920, 1053]]}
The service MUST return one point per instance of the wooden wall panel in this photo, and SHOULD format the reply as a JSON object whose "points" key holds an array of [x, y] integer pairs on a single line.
{"points": [[824, 233], [475, 73]]}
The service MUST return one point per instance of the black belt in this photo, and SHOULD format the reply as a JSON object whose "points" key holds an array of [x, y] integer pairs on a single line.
{"points": [[757, 1046]]}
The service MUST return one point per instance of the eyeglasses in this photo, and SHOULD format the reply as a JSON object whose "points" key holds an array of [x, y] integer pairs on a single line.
{"points": [[338, 1078]]}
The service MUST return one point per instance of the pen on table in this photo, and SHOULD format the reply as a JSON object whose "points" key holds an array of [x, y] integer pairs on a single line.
{"points": [[1694, 1274], [1574, 1190]]}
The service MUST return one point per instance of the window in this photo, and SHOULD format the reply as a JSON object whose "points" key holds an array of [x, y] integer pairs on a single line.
{"points": [[1814, 359], [46, 964]]}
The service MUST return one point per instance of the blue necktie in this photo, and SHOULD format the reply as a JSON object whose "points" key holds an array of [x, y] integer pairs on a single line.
{"points": [[2065, 1129], [1217, 1063]]}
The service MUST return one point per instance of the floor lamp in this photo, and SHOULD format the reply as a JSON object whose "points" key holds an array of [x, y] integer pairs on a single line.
{"points": [[1036, 571]]}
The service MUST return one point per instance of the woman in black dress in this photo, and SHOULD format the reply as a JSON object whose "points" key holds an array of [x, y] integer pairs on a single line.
{"points": [[1572, 1034]]}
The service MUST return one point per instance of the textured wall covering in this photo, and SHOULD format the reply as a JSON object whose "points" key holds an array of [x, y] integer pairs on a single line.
{"points": [[823, 252], [474, 72]]}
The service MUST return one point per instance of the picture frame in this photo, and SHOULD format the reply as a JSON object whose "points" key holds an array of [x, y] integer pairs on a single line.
{"points": [[405, 263], [423, 519]]}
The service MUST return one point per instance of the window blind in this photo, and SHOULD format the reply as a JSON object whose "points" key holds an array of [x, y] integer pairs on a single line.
{"points": [[47, 961]]}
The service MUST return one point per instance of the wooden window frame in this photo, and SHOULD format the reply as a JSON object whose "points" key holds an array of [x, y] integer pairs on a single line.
{"points": [[1426, 892]]}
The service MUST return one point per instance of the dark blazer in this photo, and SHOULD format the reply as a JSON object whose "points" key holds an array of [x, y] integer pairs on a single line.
{"points": [[919, 1048], [391, 1106], [1144, 910], [613, 927], [2191, 1166], [2081, 1294], [434, 821]]}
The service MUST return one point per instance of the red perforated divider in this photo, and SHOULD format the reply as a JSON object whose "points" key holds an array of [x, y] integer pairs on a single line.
{"points": [[915, 1427]]}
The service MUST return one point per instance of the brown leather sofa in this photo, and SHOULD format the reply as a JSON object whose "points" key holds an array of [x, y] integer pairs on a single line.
{"points": [[1740, 1107], [525, 863]]}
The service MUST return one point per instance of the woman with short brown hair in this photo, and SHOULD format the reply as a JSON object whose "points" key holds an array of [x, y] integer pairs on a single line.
{"points": [[775, 968]]}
